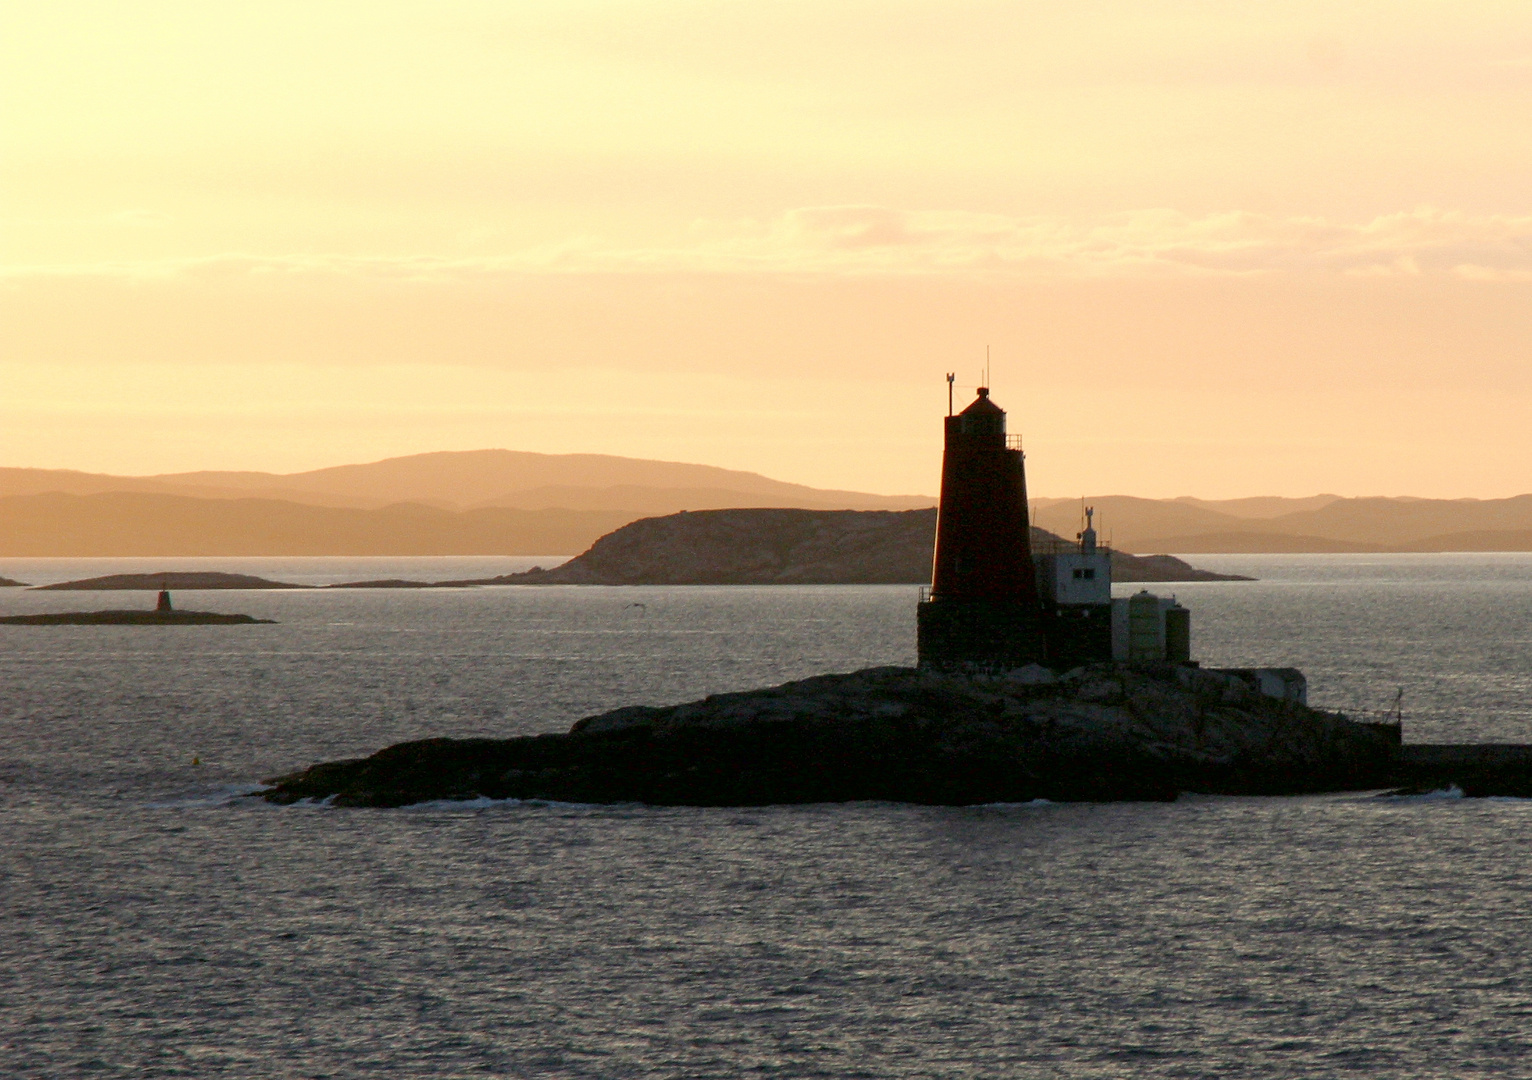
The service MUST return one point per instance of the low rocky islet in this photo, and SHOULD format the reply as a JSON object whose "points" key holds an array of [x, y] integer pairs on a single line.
{"points": [[132, 618], [1102, 732]]}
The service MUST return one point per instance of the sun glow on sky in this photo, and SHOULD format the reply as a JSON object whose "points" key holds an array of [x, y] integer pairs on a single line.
{"points": [[1217, 249]]}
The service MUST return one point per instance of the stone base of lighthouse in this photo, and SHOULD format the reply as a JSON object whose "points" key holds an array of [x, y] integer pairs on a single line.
{"points": [[979, 635], [1077, 634]]}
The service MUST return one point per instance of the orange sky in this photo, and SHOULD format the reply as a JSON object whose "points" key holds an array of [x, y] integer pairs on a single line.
{"points": [[1217, 249]]}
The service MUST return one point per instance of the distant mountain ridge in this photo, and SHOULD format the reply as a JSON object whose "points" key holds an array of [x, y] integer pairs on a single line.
{"points": [[486, 502], [132, 523], [1325, 523], [472, 479]]}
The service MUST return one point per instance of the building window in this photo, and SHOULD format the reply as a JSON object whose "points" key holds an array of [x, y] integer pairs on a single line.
{"points": [[1085, 574]]}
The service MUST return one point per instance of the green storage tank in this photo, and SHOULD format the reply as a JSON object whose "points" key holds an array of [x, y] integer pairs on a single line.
{"points": [[1178, 633], [1144, 627]]}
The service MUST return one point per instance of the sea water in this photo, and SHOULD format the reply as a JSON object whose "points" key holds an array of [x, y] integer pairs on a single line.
{"points": [[157, 923]]}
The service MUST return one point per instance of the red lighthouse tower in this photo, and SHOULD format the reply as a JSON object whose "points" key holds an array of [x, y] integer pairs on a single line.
{"points": [[983, 613]]}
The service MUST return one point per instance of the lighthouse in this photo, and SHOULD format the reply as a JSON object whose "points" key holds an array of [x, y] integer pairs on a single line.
{"points": [[983, 613]]}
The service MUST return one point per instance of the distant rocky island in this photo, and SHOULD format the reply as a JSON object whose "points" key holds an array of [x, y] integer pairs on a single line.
{"points": [[399, 583], [792, 547], [179, 580], [1103, 732], [132, 618], [7, 583], [714, 547], [162, 614], [195, 580]]}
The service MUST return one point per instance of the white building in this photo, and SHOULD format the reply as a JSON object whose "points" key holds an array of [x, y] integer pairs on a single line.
{"points": [[1079, 577]]}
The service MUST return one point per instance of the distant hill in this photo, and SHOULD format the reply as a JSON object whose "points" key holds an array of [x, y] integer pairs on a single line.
{"points": [[128, 523], [1255, 543], [481, 502], [1502, 540], [461, 480], [656, 501], [514, 502], [1259, 506], [1323, 523]]}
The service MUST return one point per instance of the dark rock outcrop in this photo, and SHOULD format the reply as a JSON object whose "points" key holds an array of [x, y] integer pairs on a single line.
{"points": [[1149, 568], [178, 580], [384, 583], [789, 547], [7, 583], [1107, 732], [131, 618], [1477, 770]]}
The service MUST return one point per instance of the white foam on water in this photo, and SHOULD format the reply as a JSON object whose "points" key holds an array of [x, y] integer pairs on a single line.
{"points": [[210, 800], [483, 802], [1449, 793]]}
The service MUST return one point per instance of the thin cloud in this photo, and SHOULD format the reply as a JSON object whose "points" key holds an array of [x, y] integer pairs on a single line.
{"points": [[876, 240], [139, 219]]}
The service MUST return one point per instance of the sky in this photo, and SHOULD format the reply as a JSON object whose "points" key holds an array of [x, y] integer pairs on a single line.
{"points": [[1213, 248]]}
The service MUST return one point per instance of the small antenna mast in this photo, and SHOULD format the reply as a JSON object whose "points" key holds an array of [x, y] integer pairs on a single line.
{"points": [[950, 376], [986, 365]]}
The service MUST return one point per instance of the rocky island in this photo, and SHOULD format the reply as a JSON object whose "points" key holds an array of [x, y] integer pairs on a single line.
{"points": [[171, 579], [162, 614], [711, 547], [1104, 732], [132, 618], [791, 547], [1120, 715]]}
